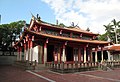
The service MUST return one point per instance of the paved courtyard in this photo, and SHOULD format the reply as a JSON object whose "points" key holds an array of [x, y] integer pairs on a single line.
{"points": [[13, 74]]}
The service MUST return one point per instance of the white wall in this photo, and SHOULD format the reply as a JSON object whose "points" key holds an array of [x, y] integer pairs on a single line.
{"points": [[26, 54], [35, 53]]}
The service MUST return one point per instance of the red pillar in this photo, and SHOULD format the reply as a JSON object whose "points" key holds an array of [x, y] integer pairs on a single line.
{"points": [[31, 50], [85, 54], [45, 53], [79, 55], [28, 50], [20, 53], [90, 55], [25, 50]]}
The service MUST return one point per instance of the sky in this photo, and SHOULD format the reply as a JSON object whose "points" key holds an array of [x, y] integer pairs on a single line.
{"points": [[84, 13]]}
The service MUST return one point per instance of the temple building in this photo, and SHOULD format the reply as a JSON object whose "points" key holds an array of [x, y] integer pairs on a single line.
{"points": [[114, 51], [43, 42]]}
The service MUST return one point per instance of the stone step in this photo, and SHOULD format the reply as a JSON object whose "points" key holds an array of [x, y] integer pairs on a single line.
{"points": [[40, 67], [109, 69], [24, 65]]}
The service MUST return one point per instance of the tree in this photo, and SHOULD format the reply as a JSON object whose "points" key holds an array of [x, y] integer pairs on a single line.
{"points": [[115, 25], [108, 29], [8, 32], [103, 37], [112, 31], [61, 25]]}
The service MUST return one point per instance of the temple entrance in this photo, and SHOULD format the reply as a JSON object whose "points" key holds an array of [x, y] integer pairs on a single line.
{"points": [[69, 53], [50, 50], [99, 56], [105, 55], [93, 55], [87, 54]]}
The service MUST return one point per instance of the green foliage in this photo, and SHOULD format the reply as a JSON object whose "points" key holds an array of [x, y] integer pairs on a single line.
{"points": [[7, 31], [61, 25], [112, 30], [103, 37]]}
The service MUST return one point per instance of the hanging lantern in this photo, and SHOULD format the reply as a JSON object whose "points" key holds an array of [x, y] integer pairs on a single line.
{"points": [[60, 31], [32, 38], [94, 37], [87, 45], [66, 42], [47, 40], [98, 46], [40, 28], [80, 35]]}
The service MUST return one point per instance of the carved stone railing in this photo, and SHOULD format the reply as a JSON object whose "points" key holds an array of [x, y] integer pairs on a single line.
{"points": [[72, 66], [105, 65]]}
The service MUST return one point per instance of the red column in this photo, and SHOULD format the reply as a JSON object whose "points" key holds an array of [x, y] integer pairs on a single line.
{"points": [[79, 55], [90, 54], [59, 57], [20, 53], [25, 50], [45, 53], [82, 55], [63, 54], [85, 54], [102, 54], [31, 50], [28, 50], [96, 57]]}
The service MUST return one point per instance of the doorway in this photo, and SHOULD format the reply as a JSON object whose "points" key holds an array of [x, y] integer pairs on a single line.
{"points": [[105, 55], [50, 50], [69, 53]]}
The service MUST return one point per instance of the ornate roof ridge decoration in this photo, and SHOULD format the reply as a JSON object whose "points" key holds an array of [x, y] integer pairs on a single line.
{"points": [[63, 28]]}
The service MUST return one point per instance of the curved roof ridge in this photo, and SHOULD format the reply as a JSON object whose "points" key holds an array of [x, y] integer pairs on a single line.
{"points": [[67, 28]]}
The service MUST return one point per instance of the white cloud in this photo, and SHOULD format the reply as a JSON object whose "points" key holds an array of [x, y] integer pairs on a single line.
{"points": [[86, 13]]}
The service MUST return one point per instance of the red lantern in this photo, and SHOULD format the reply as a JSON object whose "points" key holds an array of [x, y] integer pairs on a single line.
{"points": [[32, 38]]}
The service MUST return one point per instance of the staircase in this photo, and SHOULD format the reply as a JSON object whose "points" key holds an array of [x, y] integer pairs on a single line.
{"points": [[29, 66], [24, 65], [106, 67], [40, 67], [109, 69]]}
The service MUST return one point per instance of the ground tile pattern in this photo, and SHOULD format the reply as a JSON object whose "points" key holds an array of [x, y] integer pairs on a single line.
{"points": [[13, 74]]}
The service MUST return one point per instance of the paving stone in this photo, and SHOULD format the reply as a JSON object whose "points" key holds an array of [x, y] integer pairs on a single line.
{"points": [[13, 74]]}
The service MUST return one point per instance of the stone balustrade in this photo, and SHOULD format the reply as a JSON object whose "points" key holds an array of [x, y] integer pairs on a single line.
{"points": [[72, 66]]}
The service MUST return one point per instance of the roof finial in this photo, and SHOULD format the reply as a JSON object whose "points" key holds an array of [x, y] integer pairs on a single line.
{"points": [[38, 17], [33, 17], [56, 22]]}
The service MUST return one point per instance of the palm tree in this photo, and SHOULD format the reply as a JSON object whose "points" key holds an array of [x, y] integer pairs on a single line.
{"points": [[108, 29], [115, 25]]}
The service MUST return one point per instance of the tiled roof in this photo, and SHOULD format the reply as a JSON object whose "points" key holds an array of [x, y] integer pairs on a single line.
{"points": [[69, 39], [69, 29], [115, 47]]}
